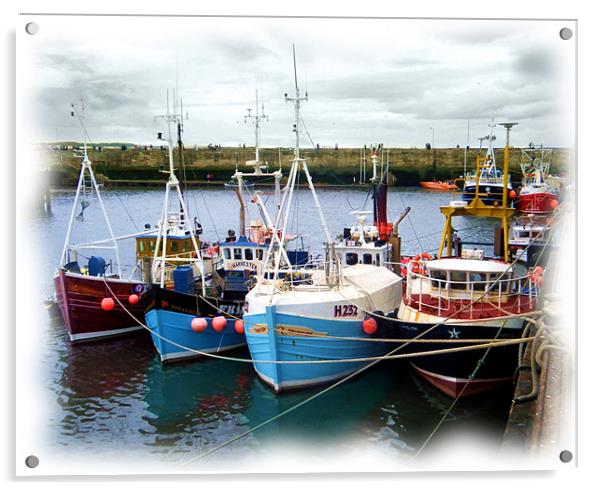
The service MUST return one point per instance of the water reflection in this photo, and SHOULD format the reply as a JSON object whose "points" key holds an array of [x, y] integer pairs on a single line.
{"points": [[115, 394]]}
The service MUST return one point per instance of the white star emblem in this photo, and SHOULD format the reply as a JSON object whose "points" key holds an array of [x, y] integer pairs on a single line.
{"points": [[453, 334]]}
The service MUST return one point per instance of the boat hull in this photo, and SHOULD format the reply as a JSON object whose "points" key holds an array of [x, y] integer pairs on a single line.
{"points": [[438, 186], [450, 373], [169, 316], [273, 336], [79, 296], [537, 203]]}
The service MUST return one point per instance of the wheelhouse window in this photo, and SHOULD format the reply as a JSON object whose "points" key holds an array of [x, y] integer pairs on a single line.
{"points": [[174, 246], [259, 252], [141, 245], [367, 259], [377, 260], [478, 280], [351, 258], [457, 280], [227, 253], [438, 278], [237, 254], [248, 254]]}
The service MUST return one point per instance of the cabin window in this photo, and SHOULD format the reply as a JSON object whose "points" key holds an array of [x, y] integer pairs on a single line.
{"points": [[457, 280], [174, 246], [237, 254], [478, 280], [141, 245], [377, 260], [367, 259], [259, 252], [248, 254], [438, 278], [227, 254], [151, 248], [351, 258]]}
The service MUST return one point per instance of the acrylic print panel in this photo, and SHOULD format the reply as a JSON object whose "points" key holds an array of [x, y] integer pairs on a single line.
{"points": [[116, 284]]}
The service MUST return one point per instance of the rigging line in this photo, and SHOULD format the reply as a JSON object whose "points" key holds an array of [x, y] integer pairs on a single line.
{"points": [[320, 159], [411, 223], [127, 212], [390, 355], [318, 361], [454, 403], [294, 407], [206, 207], [477, 367]]}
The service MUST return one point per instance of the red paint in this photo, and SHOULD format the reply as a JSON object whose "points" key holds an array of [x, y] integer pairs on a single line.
{"points": [[219, 323], [369, 326], [79, 299], [239, 326], [198, 325], [537, 203], [107, 304]]}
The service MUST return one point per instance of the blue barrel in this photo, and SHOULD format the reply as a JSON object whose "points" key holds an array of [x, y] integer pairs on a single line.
{"points": [[96, 266], [183, 279]]}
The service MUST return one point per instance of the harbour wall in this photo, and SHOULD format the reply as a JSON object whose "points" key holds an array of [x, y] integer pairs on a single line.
{"points": [[329, 166]]}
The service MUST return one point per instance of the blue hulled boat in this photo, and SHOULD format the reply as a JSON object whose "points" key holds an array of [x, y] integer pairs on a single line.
{"points": [[309, 326]]}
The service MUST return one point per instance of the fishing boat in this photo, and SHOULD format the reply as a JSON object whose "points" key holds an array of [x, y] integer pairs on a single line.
{"points": [[376, 244], [439, 185], [186, 309], [82, 291], [307, 315], [532, 238], [461, 298], [537, 195], [491, 183]]}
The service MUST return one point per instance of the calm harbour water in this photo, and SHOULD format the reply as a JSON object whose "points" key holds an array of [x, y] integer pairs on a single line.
{"points": [[115, 395]]}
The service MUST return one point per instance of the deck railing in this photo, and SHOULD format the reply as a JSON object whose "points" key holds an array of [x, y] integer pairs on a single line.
{"points": [[511, 294]]}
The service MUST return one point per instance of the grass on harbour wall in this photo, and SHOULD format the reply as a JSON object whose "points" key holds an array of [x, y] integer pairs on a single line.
{"points": [[328, 166]]}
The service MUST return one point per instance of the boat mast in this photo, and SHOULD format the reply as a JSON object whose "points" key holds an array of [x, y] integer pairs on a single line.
{"points": [[87, 167], [297, 164], [173, 184]]}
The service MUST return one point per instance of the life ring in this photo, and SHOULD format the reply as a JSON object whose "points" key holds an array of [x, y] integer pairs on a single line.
{"points": [[418, 266]]}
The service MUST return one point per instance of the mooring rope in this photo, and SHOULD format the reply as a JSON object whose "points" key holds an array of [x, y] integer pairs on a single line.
{"points": [[314, 361], [482, 359]]}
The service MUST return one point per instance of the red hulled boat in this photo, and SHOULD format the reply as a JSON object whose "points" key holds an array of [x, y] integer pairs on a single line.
{"points": [[80, 290], [536, 195], [79, 297]]}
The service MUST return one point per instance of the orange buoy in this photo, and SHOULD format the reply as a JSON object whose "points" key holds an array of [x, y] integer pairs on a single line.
{"points": [[554, 203], [198, 325], [133, 299], [369, 326], [219, 323], [239, 326], [512, 194], [107, 304]]}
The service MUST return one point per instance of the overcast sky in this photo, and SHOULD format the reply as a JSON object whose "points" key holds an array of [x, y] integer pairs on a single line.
{"points": [[387, 81]]}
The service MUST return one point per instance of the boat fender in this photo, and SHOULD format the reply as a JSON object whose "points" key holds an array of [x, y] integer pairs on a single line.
{"points": [[239, 326], [133, 299], [198, 325], [369, 326], [107, 304], [219, 323]]}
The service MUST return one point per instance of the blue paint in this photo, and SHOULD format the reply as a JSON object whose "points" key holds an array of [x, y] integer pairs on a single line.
{"points": [[176, 327], [272, 346]]}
